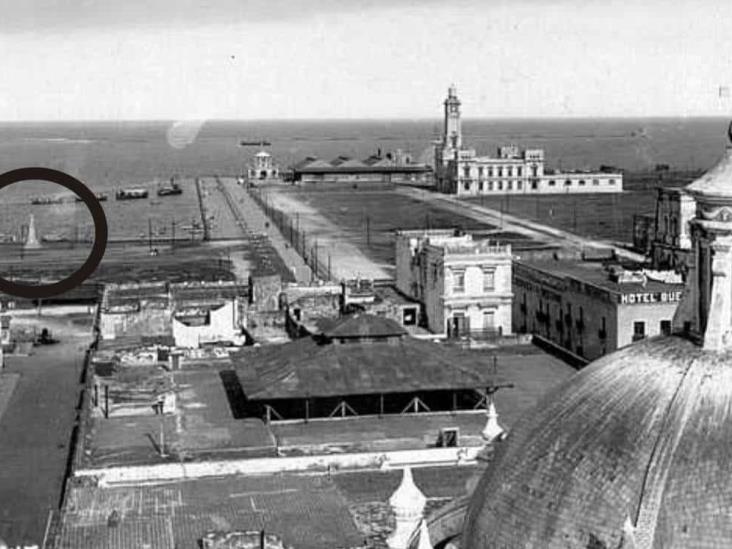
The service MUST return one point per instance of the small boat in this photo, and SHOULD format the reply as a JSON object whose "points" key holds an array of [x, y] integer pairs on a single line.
{"points": [[261, 143], [43, 200], [131, 194], [54, 237], [168, 190], [102, 197]]}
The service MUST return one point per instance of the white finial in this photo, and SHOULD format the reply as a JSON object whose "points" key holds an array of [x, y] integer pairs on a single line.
{"points": [[408, 504], [31, 241], [628, 540], [492, 429], [424, 536]]}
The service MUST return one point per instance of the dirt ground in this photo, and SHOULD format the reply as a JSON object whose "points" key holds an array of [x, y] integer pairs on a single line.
{"points": [[35, 429]]}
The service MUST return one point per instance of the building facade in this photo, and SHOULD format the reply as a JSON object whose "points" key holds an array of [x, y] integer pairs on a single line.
{"points": [[590, 310], [263, 168], [392, 167], [464, 285], [459, 170]]}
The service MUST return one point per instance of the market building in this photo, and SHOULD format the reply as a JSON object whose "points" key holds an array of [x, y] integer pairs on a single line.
{"points": [[463, 284], [459, 170], [389, 168], [591, 309]]}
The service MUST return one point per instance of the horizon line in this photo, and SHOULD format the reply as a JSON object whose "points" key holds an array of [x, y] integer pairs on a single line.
{"points": [[368, 119]]}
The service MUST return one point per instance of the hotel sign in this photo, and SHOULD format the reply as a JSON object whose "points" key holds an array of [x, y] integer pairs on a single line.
{"points": [[641, 298]]}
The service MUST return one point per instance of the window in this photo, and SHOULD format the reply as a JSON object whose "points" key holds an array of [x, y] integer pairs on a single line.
{"points": [[518, 185], [534, 185], [500, 172], [500, 185], [467, 185], [458, 282], [639, 330], [489, 280], [595, 181], [582, 182], [666, 327], [480, 171], [509, 185], [612, 182], [490, 185], [466, 171], [509, 171], [534, 171], [568, 182], [489, 319], [518, 171], [552, 183], [490, 172]]}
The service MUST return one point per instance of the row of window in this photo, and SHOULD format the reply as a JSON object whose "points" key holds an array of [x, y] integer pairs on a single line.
{"points": [[458, 281], [499, 172], [581, 182], [482, 185]]}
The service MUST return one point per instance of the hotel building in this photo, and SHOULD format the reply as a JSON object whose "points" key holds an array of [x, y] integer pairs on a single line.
{"points": [[459, 170]]}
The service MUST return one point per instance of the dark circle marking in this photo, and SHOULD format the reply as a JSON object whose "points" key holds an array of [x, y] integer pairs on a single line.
{"points": [[100, 233]]}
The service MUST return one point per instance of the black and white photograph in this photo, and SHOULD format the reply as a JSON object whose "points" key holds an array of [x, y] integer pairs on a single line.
{"points": [[365, 274]]}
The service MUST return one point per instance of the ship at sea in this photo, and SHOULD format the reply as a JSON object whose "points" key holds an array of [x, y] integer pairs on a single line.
{"points": [[131, 194], [54, 238], [102, 197], [44, 200], [171, 188]]}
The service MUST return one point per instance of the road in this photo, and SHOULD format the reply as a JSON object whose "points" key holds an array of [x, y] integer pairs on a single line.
{"points": [[35, 430], [536, 231]]}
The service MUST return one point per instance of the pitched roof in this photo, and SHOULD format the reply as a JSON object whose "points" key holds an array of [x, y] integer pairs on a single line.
{"points": [[364, 326], [305, 367]]}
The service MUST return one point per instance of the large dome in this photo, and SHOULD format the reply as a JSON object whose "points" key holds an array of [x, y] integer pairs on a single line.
{"points": [[635, 451]]}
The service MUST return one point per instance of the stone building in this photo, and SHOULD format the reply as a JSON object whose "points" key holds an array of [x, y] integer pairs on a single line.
{"points": [[589, 308], [262, 168], [463, 284], [459, 170], [633, 451]]}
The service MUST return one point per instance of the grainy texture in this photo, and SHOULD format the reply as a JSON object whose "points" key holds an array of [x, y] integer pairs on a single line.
{"points": [[641, 434]]}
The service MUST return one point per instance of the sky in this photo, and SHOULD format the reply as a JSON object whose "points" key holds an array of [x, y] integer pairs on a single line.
{"points": [[280, 59]]}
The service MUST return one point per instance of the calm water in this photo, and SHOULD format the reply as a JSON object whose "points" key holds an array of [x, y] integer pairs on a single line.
{"points": [[110, 155]]}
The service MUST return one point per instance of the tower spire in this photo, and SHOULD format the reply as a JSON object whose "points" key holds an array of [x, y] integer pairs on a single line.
{"points": [[706, 308]]}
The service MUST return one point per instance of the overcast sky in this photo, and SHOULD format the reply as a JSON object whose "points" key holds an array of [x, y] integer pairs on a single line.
{"points": [[243, 59]]}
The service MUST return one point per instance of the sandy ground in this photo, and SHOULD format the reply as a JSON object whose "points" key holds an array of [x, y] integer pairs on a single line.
{"points": [[36, 427], [347, 261]]}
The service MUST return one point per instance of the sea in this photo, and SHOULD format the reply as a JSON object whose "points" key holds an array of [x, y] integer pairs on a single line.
{"points": [[111, 155]]}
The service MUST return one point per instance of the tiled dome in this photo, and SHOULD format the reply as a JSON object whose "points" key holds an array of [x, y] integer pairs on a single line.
{"points": [[636, 445]]}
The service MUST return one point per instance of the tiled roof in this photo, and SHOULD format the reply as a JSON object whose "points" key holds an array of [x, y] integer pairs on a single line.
{"points": [[307, 368], [305, 512], [364, 326]]}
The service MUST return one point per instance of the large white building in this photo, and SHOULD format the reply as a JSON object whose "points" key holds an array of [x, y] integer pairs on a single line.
{"points": [[463, 284], [459, 170]]}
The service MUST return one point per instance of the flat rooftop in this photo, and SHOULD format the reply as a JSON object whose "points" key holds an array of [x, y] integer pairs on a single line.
{"points": [[596, 274], [210, 420]]}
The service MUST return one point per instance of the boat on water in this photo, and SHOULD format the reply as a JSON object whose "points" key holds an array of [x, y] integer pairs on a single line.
{"points": [[54, 237], [44, 200], [7, 238], [170, 189], [131, 194], [102, 197], [260, 143]]}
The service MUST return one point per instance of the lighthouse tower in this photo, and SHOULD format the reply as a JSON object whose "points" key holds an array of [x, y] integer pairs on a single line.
{"points": [[451, 141]]}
